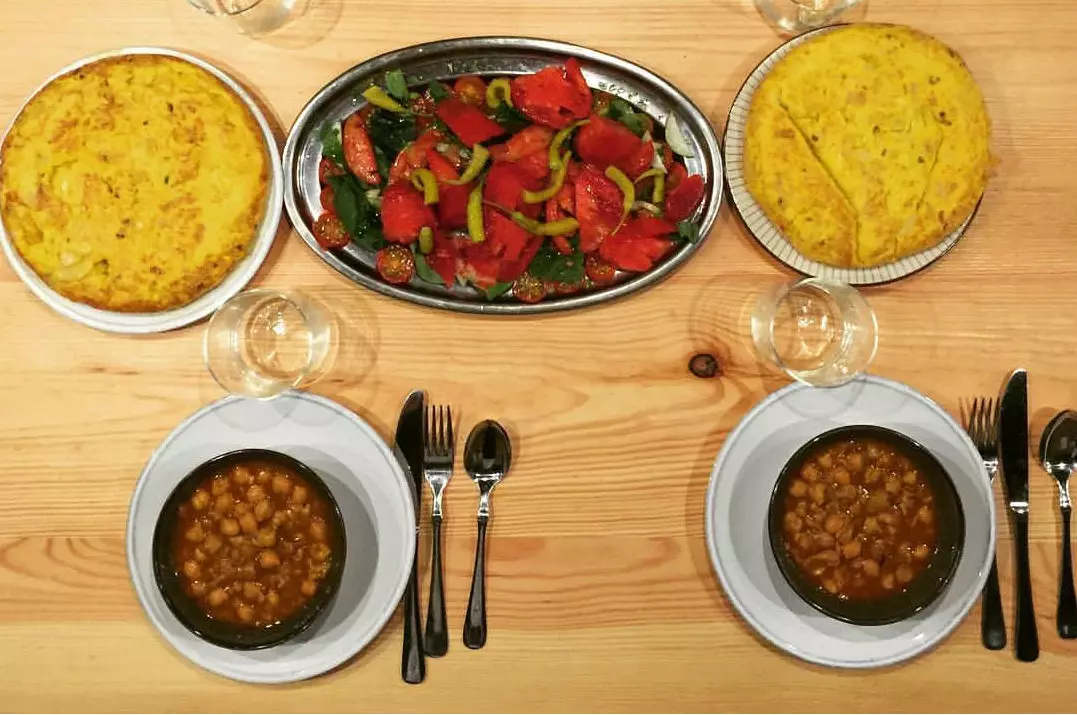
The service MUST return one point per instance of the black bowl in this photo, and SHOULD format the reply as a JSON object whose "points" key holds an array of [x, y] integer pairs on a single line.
{"points": [[928, 585], [169, 580]]}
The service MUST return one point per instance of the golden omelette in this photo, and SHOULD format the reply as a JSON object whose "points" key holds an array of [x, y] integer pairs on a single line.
{"points": [[134, 183], [866, 144]]}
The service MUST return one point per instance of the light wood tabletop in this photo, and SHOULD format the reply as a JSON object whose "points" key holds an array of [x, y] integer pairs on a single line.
{"points": [[601, 593]]}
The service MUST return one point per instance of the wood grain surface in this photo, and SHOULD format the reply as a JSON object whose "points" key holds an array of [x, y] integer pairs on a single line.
{"points": [[601, 593]]}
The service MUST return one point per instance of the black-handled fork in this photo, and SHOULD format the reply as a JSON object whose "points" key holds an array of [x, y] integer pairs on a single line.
{"points": [[439, 449], [981, 422]]}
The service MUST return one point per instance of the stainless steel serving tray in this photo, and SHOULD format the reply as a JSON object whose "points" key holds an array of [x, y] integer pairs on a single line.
{"points": [[445, 60]]}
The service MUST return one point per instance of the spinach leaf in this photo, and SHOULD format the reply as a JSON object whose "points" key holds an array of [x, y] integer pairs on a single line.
{"points": [[424, 271], [438, 91], [623, 112], [397, 85], [497, 290], [331, 145], [549, 264], [356, 212], [510, 119], [391, 132], [383, 163], [687, 231]]}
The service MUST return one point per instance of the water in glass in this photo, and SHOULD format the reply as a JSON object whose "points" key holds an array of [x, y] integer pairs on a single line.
{"points": [[796, 16], [254, 17], [819, 332]]}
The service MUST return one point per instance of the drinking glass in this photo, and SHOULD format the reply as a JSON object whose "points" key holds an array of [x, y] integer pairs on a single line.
{"points": [[263, 342], [797, 16], [821, 333], [254, 17]]}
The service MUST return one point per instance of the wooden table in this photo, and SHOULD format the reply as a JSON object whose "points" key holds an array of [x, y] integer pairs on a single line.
{"points": [[601, 593]]}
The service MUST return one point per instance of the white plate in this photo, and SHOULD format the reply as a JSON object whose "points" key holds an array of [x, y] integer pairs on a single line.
{"points": [[767, 234], [117, 322], [374, 497], [736, 520]]}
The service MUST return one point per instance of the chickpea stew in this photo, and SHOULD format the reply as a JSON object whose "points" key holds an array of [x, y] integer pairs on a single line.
{"points": [[253, 543], [859, 519]]}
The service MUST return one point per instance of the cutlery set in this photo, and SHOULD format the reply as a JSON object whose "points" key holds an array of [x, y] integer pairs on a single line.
{"points": [[426, 446], [1000, 432]]}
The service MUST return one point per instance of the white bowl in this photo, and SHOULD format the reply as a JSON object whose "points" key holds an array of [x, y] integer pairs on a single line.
{"points": [[736, 520], [374, 498], [118, 322]]}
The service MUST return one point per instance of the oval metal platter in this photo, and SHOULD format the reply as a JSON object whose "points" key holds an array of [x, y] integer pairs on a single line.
{"points": [[445, 60]]}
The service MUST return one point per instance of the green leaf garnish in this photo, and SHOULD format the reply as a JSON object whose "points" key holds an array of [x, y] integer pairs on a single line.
{"points": [[423, 269], [331, 144], [356, 212], [497, 290], [397, 85], [623, 112], [510, 119], [549, 264], [687, 231], [438, 91]]}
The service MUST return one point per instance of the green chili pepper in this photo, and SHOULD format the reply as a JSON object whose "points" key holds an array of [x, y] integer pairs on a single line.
{"points": [[474, 215], [498, 91], [559, 139], [479, 155], [659, 176], [380, 98], [425, 181], [426, 239], [558, 180], [627, 188], [562, 227]]}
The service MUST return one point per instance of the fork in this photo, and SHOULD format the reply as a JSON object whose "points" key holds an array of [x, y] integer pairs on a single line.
{"points": [[981, 422], [439, 449]]}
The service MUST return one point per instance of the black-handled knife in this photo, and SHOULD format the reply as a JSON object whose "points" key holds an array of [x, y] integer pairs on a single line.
{"points": [[1013, 457], [409, 444]]}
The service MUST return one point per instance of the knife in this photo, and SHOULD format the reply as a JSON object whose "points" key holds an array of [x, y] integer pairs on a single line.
{"points": [[1013, 455], [409, 444]]}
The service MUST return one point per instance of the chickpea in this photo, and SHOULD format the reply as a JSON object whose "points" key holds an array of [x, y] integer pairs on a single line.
{"points": [[805, 541], [273, 598], [200, 499], [308, 588], [874, 452], [878, 550], [846, 492], [248, 523], [279, 518], [251, 590], [824, 540], [247, 571], [242, 475], [219, 486], [793, 523], [846, 534], [198, 588], [268, 559], [818, 493], [241, 508], [299, 494], [889, 518], [213, 543], [266, 537], [262, 477], [191, 569], [223, 504], [830, 558], [229, 527], [888, 580], [281, 485], [320, 552], [855, 461], [255, 494], [801, 511], [830, 585], [199, 556], [904, 574], [245, 613], [921, 552], [263, 510], [909, 478], [872, 474], [319, 530], [798, 488], [871, 567], [811, 473], [925, 515], [195, 533], [842, 476], [871, 525], [825, 460], [851, 550], [834, 523], [217, 597], [893, 485]]}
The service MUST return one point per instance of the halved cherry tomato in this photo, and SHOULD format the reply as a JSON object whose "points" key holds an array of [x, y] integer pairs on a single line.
{"points": [[529, 289], [553, 97], [511, 270], [328, 200], [478, 265], [467, 122], [562, 288], [395, 264], [443, 258], [677, 174], [327, 168], [524, 143], [605, 142], [470, 89], [330, 232], [638, 244], [599, 271], [507, 239], [442, 167], [358, 151], [414, 156], [684, 198], [403, 213], [598, 208]]}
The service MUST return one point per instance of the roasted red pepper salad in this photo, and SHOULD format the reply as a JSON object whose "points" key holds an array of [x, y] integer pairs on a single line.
{"points": [[536, 184]]}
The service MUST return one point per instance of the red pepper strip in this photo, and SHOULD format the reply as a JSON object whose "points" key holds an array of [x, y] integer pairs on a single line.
{"points": [[442, 167], [413, 156], [684, 198], [403, 213], [359, 151], [468, 122]]}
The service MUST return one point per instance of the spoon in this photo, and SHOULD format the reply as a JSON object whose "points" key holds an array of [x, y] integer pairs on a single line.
{"points": [[487, 456], [1058, 452]]}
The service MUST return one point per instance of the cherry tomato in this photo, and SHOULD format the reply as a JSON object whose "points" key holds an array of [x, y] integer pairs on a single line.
{"points": [[683, 199], [358, 151], [529, 289], [327, 168], [471, 89], [396, 264], [599, 271], [330, 232], [562, 288], [328, 199]]}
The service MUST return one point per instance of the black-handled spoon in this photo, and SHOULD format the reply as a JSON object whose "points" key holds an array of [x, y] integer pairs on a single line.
{"points": [[1058, 454], [487, 457]]}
